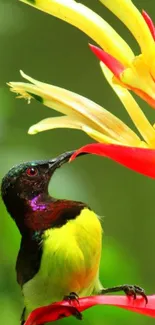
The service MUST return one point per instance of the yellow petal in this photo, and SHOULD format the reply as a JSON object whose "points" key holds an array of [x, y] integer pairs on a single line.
{"points": [[57, 98], [90, 23], [133, 109], [132, 18], [98, 136], [54, 123], [139, 77], [78, 107]]}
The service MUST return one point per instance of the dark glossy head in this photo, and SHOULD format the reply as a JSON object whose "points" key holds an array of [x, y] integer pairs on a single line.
{"points": [[27, 181], [31, 178]]}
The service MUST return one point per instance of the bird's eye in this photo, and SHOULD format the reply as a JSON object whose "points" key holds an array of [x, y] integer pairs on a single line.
{"points": [[32, 171]]}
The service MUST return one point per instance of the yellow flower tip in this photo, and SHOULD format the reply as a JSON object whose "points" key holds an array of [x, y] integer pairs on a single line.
{"points": [[17, 88], [23, 74], [33, 130]]}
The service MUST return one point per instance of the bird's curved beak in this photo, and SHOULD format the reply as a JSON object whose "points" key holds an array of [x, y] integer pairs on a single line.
{"points": [[60, 160]]}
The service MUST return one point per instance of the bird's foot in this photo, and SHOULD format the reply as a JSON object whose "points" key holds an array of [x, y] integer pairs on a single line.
{"points": [[72, 298], [129, 290], [134, 290]]}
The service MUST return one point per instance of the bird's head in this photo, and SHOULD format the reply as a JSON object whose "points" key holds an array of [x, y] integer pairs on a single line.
{"points": [[28, 181]]}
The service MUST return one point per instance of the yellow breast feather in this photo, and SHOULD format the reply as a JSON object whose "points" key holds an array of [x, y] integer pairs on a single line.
{"points": [[70, 261]]}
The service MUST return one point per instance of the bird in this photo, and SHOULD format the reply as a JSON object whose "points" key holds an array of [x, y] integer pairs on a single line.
{"points": [[61, 240]]}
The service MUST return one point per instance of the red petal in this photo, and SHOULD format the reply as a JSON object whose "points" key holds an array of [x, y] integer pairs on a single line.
{"points": [[50, 313], [117, 68], [149, 23], [64, 309], [141, 160], [113, 64]]}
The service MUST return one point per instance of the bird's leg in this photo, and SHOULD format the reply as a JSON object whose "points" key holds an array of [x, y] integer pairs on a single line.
{"points": [[71, 298], [129, 290]]}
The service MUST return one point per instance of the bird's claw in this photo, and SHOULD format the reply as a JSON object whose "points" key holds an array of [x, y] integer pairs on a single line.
{"points": [[129, 290], [72, 297], [77, 314], [134, 290]]}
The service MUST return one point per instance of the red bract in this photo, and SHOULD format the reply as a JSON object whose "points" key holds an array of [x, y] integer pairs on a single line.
{"points": [[113, 64], [141, 160], [62, 309], [149, 22]]}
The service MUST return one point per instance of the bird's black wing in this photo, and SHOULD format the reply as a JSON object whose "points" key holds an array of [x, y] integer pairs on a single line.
{"points": [[29, 258]]}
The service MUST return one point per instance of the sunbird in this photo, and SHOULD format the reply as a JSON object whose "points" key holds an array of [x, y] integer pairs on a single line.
{"points": [[61, 240]]}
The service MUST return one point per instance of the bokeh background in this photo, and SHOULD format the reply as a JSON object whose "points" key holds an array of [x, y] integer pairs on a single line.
{"points": [[55, 52]]}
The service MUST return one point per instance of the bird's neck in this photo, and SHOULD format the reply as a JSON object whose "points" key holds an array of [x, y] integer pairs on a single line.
{"points": [[43, 212]]}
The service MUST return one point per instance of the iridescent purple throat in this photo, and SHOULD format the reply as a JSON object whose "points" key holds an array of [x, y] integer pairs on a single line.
{"points": [[37, 206]]}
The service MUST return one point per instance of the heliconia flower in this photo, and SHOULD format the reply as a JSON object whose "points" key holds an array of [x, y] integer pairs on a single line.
{"points": [[136, 73], [63, 309], [83, 114], [117, 140]]}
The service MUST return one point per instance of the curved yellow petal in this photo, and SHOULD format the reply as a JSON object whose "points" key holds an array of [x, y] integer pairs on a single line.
{"points": [[98, 136], [78, 107], [90, 23], [55, 123], [132, 18], [139, 119], [55, 98]]}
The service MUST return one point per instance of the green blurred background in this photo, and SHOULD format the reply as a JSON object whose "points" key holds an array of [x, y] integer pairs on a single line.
{"points": [[55, 52]]}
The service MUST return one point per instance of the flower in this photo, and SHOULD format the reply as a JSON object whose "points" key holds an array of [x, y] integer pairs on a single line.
{"points": [[136, 73], [81, 113], [117, 140], [63, 309]]}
